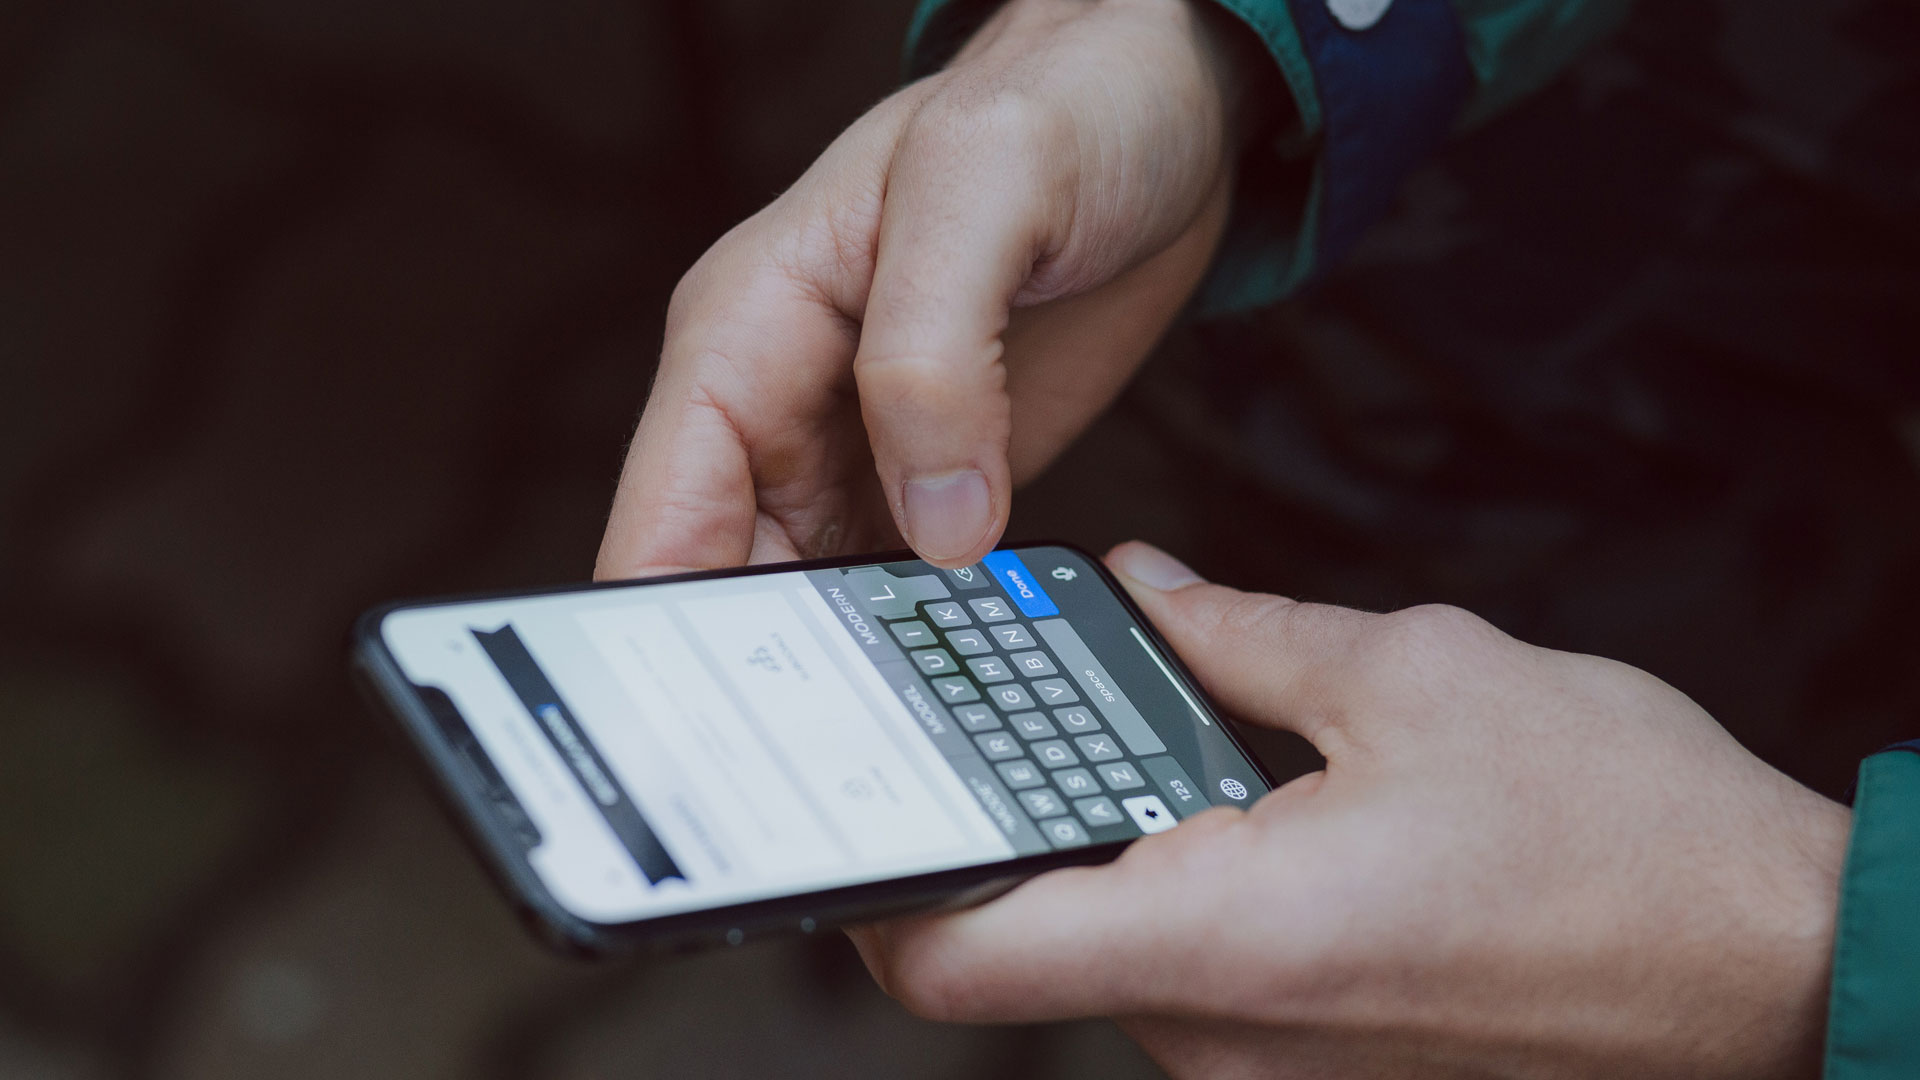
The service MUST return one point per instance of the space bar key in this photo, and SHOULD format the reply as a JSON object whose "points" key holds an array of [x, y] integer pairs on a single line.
{"points": [[1099, 687]]}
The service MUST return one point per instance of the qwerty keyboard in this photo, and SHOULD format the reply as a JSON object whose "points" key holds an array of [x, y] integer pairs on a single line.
{"points": [[1065, 746]]}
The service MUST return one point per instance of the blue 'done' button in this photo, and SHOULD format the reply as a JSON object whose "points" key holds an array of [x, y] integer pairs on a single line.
{"points": [[1032, 600]]}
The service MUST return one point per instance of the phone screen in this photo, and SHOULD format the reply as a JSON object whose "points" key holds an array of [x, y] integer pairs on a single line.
{"points": [[684, 745]]}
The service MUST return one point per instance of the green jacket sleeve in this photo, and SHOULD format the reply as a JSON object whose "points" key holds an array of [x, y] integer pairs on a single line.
{"points": [[1375, 86], [1873, 1018]]}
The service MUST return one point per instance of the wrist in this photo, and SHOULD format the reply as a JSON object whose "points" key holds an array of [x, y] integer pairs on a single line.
{"points": [[1790, 919], [1252, 95], [1227, 53]]}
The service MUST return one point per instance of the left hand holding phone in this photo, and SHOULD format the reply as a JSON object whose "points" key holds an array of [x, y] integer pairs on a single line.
{"points": [[1516, 862]]}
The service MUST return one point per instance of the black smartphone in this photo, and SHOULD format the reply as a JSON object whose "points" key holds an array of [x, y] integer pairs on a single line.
{"points": [[711, 757]]}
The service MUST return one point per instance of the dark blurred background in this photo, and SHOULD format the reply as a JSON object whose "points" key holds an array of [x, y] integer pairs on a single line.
{"points": [[303, 307]]}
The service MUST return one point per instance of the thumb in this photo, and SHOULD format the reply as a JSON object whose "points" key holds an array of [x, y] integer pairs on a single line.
{"points": [[1267, 659], [958, 236]]}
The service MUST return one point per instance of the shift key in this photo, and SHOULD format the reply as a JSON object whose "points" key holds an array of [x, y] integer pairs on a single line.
{"points": [[1077, 660]]}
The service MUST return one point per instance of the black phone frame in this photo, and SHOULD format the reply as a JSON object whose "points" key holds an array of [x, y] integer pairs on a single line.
{"points": [[451, 778]]}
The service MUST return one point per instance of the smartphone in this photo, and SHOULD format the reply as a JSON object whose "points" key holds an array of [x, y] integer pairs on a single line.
{"points": [[712, 757]]}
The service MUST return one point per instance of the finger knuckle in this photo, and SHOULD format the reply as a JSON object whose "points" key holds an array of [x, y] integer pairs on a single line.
{"points": [[687, 294], [1428, 634], [1004, 125], [746, 261], [1444, 622], [701, 293], [1241, 614]]}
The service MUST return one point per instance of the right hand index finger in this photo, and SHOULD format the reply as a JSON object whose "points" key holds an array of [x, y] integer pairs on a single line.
{"points": [[959, 232]]}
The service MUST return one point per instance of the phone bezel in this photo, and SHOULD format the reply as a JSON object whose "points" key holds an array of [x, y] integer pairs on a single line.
{"points": [[452, 780]]}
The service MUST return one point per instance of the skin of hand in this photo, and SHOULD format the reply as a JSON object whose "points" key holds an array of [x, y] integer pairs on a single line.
{"points": [[1516, 862], [958, 286]]}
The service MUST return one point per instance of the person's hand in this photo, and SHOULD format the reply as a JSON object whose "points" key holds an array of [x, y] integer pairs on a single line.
{"points": [[975, 268], [1516, 862]]}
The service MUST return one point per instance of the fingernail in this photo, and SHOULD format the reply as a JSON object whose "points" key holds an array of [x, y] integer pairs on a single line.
{"points": [[1154, 568], [947, 515]]}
